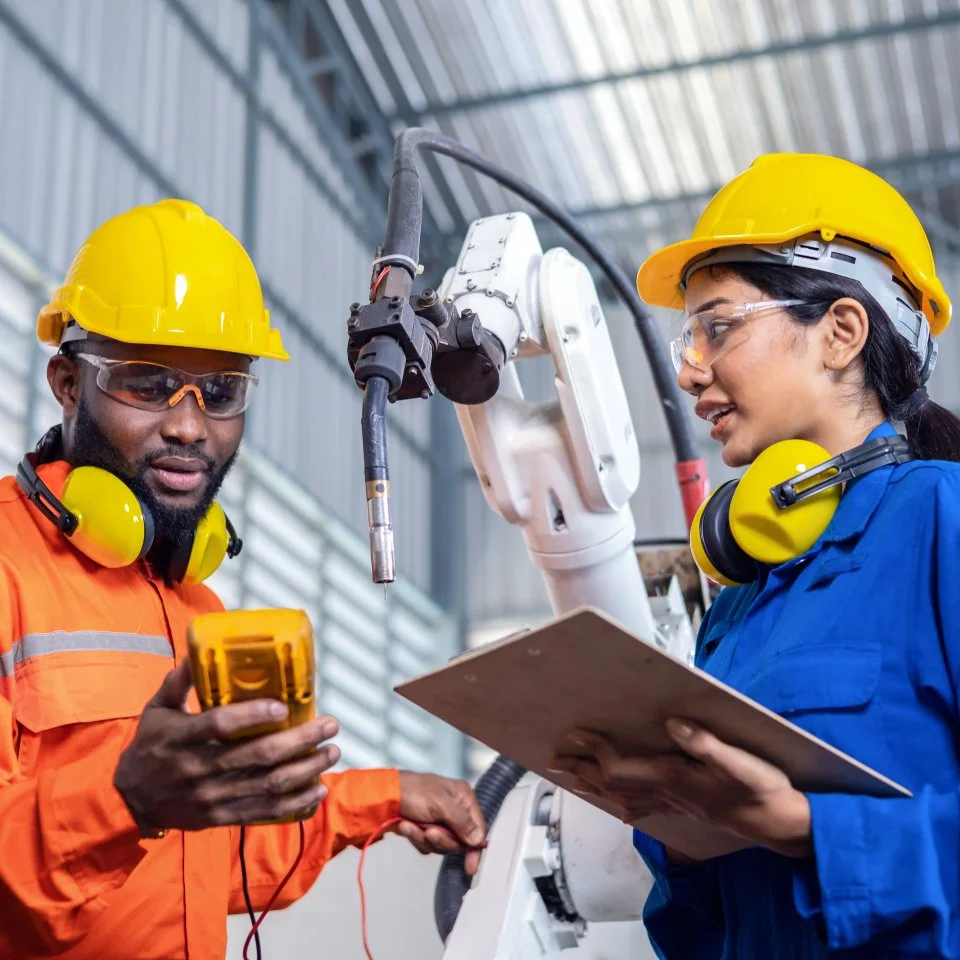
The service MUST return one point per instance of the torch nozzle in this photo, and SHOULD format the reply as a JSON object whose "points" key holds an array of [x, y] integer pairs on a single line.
{"points": [[382, 559], [377, 477]]}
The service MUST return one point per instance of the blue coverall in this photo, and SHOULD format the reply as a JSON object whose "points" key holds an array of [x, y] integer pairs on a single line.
{"points": [[858, 642]]}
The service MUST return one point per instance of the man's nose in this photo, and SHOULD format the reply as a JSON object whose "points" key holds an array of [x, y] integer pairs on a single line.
{"points": [[185, 422]]}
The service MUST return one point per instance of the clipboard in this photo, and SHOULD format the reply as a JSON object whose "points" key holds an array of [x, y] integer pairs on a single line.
{"points": [[522, 694]]}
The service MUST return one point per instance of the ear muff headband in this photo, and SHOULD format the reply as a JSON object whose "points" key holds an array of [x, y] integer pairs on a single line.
{"points": [[43, 499], [879, 452], [762, 519]]}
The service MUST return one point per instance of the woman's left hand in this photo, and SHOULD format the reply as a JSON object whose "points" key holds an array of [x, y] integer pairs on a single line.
{"points": [[711, 780]]}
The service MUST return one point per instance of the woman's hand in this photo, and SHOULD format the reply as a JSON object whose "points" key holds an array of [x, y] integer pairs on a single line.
{"points": [[710, 780]]}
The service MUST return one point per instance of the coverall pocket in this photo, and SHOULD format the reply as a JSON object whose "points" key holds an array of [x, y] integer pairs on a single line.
{"points": [[69, 706], [86, 687], [834, 675]]}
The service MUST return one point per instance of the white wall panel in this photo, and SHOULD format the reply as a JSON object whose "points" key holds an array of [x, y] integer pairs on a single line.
{"points": [[139, 66], [101, 109]]}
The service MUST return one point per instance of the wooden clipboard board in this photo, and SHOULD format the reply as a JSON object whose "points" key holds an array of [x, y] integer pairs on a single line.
{"points": [[521, 695]]}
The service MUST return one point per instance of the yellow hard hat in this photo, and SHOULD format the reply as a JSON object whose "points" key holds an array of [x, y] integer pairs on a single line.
{"points": [[164, 274], [782, 196]]}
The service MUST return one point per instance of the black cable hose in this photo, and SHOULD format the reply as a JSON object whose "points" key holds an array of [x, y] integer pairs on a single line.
{"points": [[402, 238], [373, 424], [452, 883]]}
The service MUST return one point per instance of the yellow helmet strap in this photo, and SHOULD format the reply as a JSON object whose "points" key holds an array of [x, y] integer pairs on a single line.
{"points": [[876, 273], [734, 536]]}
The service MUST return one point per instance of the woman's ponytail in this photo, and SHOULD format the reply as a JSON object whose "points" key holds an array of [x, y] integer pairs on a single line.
{"points": [[934, 430]]}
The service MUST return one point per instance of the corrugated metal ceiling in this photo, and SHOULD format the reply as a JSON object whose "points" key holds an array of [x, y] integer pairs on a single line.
{"points": [[632, 112]]}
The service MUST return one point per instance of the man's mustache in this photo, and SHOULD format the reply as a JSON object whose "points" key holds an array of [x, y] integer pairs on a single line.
{"points": [[191, 452]]}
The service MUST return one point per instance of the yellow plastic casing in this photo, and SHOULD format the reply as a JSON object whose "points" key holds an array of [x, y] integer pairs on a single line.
{"points": [[782, 196], [241, 655], [111, 527], [764, 531], [210, 543], [166, 274], [699, 552]]}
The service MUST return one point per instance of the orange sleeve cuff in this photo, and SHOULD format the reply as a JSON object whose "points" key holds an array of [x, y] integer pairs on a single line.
{"points": [[95, 836], [359, 801]]}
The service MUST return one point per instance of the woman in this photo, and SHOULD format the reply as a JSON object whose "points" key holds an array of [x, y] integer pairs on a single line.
{"points": [[810, 310]]}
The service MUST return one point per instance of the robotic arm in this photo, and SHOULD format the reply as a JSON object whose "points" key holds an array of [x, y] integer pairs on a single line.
{"points": [[563, 471]]}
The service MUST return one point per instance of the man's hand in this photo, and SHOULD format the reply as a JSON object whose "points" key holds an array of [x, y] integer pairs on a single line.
{"points": [[428, 799], [183, 772], [711, 781]]}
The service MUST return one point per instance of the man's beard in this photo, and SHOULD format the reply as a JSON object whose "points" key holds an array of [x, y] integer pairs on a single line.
{"points": [[91, 448]]}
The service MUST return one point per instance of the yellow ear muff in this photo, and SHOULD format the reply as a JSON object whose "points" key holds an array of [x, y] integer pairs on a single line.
{"points": [[764, 531], [714, 546], [113, 528], [210, 544], [740, 524]]}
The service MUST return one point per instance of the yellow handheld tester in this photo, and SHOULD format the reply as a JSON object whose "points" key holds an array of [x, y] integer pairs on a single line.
{"points": [[251, 655]]}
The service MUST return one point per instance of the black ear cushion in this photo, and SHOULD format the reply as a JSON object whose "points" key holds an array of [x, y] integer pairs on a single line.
{"points": [[148, 529], [717, 538], [179, 561]]}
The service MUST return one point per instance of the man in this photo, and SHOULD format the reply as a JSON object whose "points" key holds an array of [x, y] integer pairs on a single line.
{"points": [[111, 788]]}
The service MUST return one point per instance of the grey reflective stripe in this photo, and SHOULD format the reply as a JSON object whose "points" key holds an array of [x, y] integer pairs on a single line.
{"points": [[81, 641]]}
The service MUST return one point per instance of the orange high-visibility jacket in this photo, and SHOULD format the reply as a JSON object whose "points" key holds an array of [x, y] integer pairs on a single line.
{"points": [[82, 650]]}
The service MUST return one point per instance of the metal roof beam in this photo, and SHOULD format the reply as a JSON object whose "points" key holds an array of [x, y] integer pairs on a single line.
{"points": [[934, 170], [336, 80], [909, 174], [358, 218], [803, 45], [327, 21], [330, 75], [324, 116]]}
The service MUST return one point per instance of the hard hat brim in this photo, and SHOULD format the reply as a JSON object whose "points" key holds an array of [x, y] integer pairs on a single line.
{"points": [[54, 316]]}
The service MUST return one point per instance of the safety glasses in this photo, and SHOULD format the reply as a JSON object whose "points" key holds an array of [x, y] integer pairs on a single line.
{"points": [[708, 335], [156, 387]]}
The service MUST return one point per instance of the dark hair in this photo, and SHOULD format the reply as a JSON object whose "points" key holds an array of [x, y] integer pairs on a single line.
{"points": [[890, 370]]}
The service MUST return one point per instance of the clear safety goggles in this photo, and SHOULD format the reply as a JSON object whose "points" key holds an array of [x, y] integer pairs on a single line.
{"points": [[707, 335], [156, 387]]}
